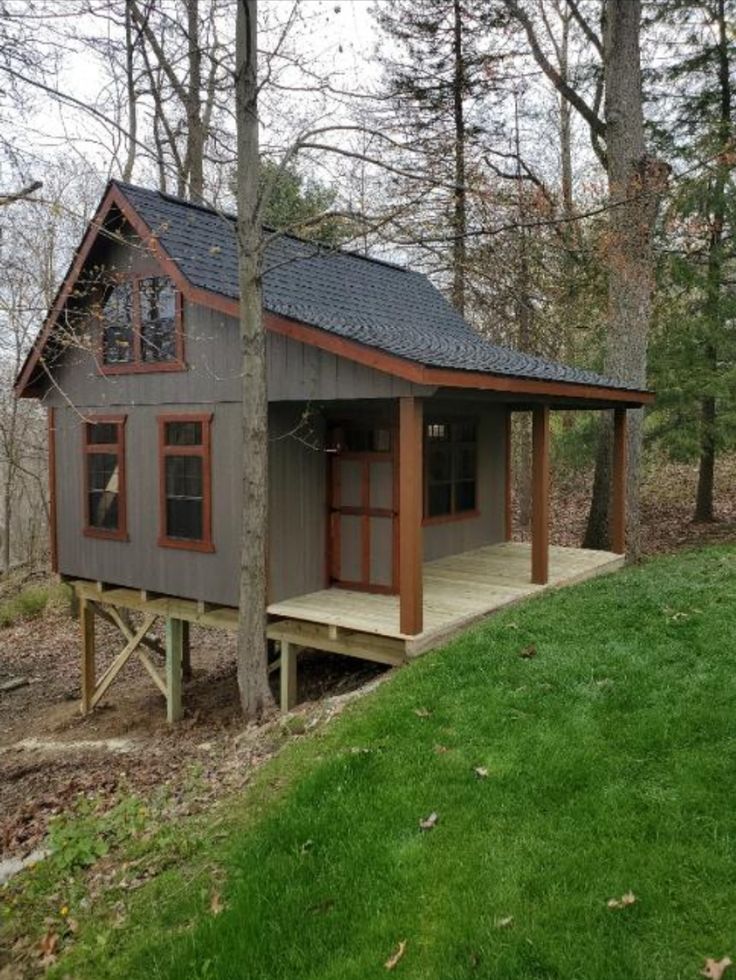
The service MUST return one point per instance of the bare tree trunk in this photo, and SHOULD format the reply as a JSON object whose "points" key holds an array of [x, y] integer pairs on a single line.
{"points": [[708, 409], [524, 338], [459, 194], [195, 128], [132, 95], [635, 183], [255, 694]]}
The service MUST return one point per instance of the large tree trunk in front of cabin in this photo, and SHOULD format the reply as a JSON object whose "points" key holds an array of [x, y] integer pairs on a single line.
{"points": [[708, 409], [195, 126], [255, 694], [459, 193], [635, 184]]}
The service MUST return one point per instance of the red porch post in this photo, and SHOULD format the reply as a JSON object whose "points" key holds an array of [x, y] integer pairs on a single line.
{"points": [[411, 473], [508, 515], [618, 495], [540, 495]]}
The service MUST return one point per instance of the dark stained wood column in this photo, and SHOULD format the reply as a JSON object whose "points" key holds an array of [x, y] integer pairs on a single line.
{"points": [[618, 490], [508, 515], [411, 476], [540, 495]]}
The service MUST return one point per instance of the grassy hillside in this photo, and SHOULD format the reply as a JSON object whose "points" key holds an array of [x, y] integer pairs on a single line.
{"points": [[578, 748]]}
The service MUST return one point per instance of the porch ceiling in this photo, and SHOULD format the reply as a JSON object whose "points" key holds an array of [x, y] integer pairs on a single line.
{"points": [[458, 591]]}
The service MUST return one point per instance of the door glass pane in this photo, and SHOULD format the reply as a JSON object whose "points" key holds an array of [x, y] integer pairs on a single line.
{"points": [[381, 539], [351, 483], [382, 484], [350, 548]]}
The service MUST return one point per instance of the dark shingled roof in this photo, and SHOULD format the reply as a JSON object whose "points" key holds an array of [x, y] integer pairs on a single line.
{"points": [[376, 303]]}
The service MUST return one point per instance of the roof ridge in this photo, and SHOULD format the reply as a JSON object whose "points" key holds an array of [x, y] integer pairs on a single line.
{"points": [[230, 216]]}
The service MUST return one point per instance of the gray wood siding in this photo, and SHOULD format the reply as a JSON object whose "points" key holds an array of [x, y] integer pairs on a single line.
{"points": [[453, 537], [297, 502]]}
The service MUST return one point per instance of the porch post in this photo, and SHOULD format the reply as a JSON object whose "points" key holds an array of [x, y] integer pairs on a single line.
{"points": [[618, 491], [508, 515], [540, 495], [411, 473]]}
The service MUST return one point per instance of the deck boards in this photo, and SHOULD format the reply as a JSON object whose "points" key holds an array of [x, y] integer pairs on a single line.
{"points": [[458, 590]]}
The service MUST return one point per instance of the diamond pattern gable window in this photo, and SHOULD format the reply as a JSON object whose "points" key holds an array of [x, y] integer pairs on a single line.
{"points": [[142, 326], [104, 475], [184, 444], [451, 451]]}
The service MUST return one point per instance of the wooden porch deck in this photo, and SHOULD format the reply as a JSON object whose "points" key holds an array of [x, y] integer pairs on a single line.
{"points": [[458, 591]]}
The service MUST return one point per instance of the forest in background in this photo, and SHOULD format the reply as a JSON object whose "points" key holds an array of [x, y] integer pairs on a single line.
{"points": [[468, 138]]}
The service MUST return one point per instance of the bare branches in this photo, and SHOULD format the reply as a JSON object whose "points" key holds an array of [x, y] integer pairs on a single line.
{"points": [[21, 194]]}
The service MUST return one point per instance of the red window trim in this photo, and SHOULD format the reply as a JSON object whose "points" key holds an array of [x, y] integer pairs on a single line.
{"points": [[118, 448], [205, 452], [137, 365], [455, 515]]}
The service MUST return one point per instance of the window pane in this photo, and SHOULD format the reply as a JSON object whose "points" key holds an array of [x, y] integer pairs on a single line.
{"points": [[158, 319], [102, 471], [465, 495], [117, 314], [439, 499], [103, 510], [465, 463], [437, 431], [102, 433], [439, 464], [183, 434], [184, 493]]}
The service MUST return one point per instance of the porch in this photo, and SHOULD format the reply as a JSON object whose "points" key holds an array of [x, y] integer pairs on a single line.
{"points": [[457, 591]]}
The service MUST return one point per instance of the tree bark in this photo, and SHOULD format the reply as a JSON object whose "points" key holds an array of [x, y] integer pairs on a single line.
{"points": [[708, 409], [132, 95], [459, 195], [255, 694], [195, 127], [635, 184]]}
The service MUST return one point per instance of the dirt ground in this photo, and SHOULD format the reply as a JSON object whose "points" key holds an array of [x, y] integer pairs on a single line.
{"points": [[49, 754]]}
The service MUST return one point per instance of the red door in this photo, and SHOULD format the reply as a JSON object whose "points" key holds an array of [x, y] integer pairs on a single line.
{"points": [[363, 505]]}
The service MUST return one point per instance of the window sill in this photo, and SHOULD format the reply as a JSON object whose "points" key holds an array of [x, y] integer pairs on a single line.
{"points": [[183, 545], [94, 532], [142, 367], [465, 515]]}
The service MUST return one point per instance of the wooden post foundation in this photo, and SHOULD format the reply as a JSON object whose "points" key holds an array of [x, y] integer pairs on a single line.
{"points": [[540, 495], [174, 651], [87, 626], [289, 654]]}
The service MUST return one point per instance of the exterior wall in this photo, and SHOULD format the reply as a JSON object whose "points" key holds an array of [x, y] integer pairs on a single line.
{"points": [[297, 501], [454, 536]]}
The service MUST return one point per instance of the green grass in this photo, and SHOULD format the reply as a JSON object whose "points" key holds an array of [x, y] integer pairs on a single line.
{"points": [[31, 602], [611, 757]]}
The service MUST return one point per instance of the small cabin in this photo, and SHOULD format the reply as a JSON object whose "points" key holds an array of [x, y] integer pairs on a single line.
{"points": [[389, 443]]}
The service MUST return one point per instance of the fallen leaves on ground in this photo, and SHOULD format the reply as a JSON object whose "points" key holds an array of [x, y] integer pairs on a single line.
{"points": [[714, 969], [216, 906], [394, 958], [621, 903], [441, 749], [481, 772], [505, 923], [528, 652], [430, 822], [49, 947], [422, 712]]}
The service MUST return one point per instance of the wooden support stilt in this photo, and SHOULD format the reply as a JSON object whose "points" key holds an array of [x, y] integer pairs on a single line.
{"points": [[411, 474], [174, 648], [540, 495], [618, 494], [87, 625], [186, 652], [289, 653]]}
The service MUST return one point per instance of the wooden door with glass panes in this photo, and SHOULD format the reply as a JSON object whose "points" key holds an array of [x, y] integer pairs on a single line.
{"points": [[363, 506]]}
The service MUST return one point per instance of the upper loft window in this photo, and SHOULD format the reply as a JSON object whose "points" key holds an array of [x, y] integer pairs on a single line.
{"points": [[142, 326], [451, 452]]}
